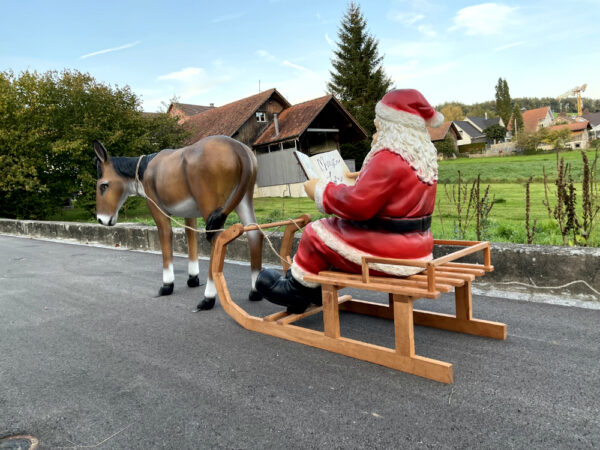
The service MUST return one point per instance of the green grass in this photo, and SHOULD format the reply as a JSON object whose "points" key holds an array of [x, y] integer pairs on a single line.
{"points": [[505, 175], [510, 169]]}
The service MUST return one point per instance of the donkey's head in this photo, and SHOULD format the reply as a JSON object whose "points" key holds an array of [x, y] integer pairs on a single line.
{"points": [[111, 188]]}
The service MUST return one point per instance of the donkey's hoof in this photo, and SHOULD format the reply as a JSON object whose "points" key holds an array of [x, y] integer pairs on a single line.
{"points": [[166, 289], [255, 296], [206, 303], [193, 281]]}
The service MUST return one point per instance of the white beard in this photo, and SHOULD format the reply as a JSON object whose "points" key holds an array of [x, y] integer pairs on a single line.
{"points": [[409, 139]]}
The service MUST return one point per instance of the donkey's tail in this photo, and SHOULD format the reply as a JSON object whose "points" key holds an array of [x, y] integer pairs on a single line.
{"points": [[216, 219]]}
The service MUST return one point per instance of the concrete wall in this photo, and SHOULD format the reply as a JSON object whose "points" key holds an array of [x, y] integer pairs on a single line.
{"points": [[515, 265]]}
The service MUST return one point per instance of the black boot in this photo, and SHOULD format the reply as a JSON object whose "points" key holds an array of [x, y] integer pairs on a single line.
{"points": [[286, 291]]}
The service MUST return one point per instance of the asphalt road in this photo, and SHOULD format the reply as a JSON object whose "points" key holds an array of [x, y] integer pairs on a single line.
{"points": [[89, 357]]}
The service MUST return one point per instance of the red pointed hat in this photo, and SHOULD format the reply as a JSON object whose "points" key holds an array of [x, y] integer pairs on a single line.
{"points": [[401, 105]]}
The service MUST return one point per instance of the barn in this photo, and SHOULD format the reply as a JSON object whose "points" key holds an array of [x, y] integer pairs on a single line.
{"points": [[274, 129]]}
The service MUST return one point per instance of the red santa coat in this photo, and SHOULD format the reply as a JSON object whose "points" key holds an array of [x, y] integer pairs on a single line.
{"points": [[388, 187]]}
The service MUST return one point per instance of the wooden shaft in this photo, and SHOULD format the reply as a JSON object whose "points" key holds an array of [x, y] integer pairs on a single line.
{"points": [[331, 314], [464, 302], [403, 325]]}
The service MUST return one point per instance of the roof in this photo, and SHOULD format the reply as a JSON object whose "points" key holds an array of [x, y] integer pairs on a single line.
{"points": [[294, 120], [468, 128], [592, 118], [439, 133], [575, 127], [190, 110], [482, 123], [531, 119], [227, 119]]}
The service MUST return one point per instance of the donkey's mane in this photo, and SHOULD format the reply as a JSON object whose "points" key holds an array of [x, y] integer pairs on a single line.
{"points": [[125, 166]]}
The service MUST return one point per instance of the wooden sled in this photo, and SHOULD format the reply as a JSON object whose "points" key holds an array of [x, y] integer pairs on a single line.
{"points": [[443, 274]]}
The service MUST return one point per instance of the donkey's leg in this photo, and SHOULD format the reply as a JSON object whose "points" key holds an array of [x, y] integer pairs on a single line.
{"points": [[192, 241], [165, 234], [255, 240], [210, 291]]}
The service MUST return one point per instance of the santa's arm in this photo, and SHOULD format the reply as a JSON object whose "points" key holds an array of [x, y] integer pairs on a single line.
{"points": [[377, 182]]}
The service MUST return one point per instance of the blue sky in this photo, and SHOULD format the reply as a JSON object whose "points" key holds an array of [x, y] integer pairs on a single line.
{"points": [[216, 52]]}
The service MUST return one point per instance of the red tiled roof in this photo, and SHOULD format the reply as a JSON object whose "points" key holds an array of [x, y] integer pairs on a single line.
{"points": [[531, 119], [574, 127], [439, 133], [293, 121], [190, 110], [227, 119]]}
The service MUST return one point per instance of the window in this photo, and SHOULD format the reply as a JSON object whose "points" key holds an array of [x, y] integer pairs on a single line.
{"points": [[261, 116]]}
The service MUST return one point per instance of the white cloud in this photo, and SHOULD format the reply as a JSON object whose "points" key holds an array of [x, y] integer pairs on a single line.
{"points": [[185, 75], [427, 30], [507, 46], [330, 41], [192, 81], [405, 18], [295, 66], [266, 55], [484, 19], [109, 50]]}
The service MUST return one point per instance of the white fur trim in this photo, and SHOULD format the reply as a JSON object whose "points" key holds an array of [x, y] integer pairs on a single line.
{"points": [[319, 191], [298, 273], [410, 140], [354, 255], [168, 274], [397, 115], [436, 121]]}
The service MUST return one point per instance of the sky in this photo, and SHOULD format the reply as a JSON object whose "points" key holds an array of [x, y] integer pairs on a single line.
{"points": [[206, 52]]}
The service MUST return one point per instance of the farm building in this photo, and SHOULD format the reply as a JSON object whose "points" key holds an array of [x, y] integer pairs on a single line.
{"points": [[274, 128]]}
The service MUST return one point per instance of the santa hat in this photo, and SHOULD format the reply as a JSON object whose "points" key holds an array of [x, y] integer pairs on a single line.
{"points": [[401, 105]]}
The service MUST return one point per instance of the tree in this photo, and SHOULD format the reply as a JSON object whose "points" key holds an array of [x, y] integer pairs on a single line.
{"points": [[47, 124], [453, 112], [447, 147], [358, 79], [517, 119], [503, 101], [495, 133]]}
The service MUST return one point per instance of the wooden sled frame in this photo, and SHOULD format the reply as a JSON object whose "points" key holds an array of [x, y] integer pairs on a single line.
{"points": [[440, 275]]}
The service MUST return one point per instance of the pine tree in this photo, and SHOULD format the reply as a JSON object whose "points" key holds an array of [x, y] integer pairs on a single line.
{"points": [[517, 118], [358, 79], [503, 101]]}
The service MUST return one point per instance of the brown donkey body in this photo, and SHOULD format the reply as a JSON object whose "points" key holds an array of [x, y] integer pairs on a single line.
{"points": [[208, 179]]}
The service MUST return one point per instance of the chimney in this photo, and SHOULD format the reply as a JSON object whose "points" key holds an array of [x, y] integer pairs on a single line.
{"points": [[212, 105], [276, 121]]}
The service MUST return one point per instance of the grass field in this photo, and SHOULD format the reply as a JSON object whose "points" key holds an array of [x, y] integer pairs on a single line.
{"points": [[505, 175]]}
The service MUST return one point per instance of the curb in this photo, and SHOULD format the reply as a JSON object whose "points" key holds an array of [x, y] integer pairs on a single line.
{"points": [[529, 272]]}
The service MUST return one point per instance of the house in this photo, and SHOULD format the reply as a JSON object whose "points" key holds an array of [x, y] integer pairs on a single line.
{"points": [[579, 138], [482, 123], [533, 120], [470, 137], [445, 131], [274, 129], [594, 120], [184, 111]]}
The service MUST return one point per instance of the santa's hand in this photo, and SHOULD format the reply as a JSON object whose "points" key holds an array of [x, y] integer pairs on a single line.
{"points": [[310, 186], [352, 175]]}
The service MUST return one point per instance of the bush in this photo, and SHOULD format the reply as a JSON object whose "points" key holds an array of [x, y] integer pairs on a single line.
{"points": [[47, 124]]}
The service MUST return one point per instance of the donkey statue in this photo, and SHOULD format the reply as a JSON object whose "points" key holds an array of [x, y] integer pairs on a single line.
{"points": [[208, 179]]}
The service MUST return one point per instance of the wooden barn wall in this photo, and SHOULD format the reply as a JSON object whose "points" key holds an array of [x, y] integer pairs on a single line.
{"points": [[280, 167], [252, 129]]}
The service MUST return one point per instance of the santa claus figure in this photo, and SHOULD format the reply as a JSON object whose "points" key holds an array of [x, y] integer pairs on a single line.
{"points": [[387, 213]]}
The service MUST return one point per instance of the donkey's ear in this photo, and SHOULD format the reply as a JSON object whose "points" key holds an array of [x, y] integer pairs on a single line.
{"points": [[100, 151]]}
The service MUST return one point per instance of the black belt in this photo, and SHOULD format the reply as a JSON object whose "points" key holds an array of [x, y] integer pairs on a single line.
{"points": [[394, 225]]}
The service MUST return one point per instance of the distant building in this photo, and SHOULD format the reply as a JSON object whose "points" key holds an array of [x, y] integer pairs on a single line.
{"points": [[594, 120], [579, 138], [533, 120], [445, 131], [274, 128]]}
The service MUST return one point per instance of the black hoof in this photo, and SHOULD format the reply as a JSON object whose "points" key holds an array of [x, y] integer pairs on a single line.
{"points": [[255, 296], [206, 303], [166, 289], [193, 281]]}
